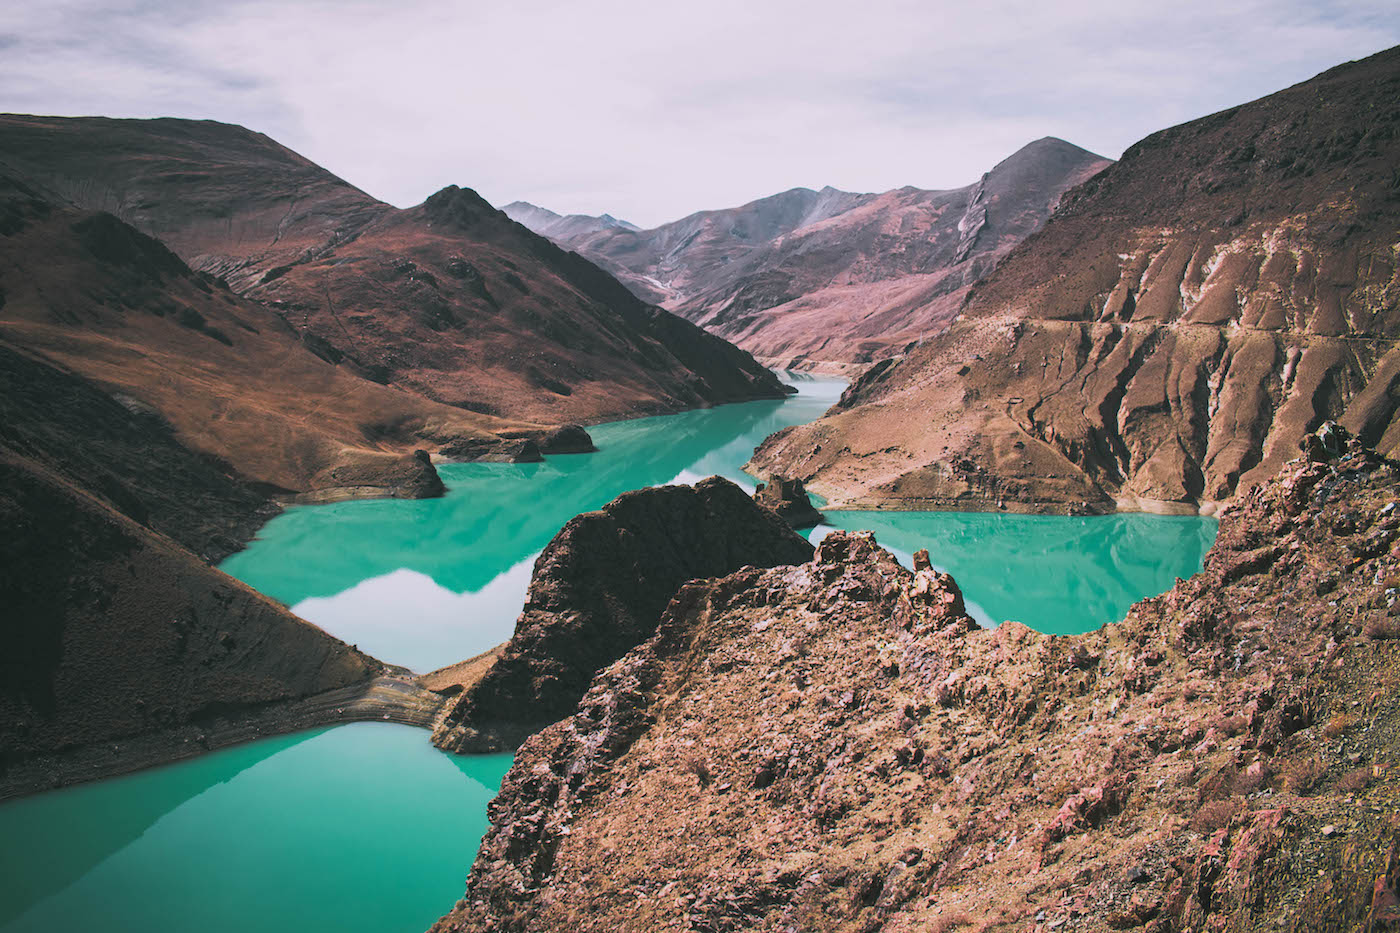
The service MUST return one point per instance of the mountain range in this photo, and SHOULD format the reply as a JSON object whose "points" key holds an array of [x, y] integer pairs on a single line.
{"points": [[195, 321], [1166, 340], [829, 279]]}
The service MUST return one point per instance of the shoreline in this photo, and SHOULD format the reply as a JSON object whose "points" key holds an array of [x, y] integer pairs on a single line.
{"points": [[393, 698]]}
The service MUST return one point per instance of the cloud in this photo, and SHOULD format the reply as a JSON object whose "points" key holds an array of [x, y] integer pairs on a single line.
{"points": [[649, 111]]}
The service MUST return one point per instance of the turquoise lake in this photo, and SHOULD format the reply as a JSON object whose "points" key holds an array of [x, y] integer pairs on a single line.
{"points": [[368, 828]]}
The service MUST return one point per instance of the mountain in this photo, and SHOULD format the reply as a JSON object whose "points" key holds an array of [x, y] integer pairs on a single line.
{"points": [[1167, 339], [115, 629], [450, 299], [94, 298], [838, 746], [806, 278], [561, 226]]}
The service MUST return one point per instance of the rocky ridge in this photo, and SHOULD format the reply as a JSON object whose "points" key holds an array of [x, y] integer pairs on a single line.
{"points": [[1183, 319], [598, 590], [830, 279], [837, 746], [449, 300], [788, 498], [90, 297]]}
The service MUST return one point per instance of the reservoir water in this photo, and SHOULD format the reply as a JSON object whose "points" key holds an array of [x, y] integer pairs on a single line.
{"points": [[367, 827]]}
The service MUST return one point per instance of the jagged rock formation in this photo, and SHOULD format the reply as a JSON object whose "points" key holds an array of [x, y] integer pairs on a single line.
{"points": [[837, 746], [788, 497], [826, 279], [1183, 319], [450, 299], [598, 590]]}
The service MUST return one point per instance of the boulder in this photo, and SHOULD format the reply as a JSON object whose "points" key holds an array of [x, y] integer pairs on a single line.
{"points": [[567, 439], [788, 497]]}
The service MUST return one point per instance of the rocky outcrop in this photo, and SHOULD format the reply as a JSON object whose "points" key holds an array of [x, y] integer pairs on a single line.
{"points": [[1165, 341], [598, 590], [102, 303], [449, 300], [567, 439], [412, 476], [837, 746], [829, 279], [788, 497]]}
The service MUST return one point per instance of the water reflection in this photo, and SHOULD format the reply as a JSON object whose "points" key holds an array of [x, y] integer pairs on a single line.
{"points": [[360, 828], [1056, 574], [95, 820], [468, 554]]}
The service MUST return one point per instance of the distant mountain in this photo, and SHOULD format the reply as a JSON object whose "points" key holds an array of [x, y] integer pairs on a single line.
{"points": [[450, 299], [556, 226], [1168, 338], [830, 277]]}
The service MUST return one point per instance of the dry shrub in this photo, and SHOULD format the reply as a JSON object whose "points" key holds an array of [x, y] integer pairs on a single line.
{"points": [[1232, 725], [696, 764], [1214, 815], [1302, 774], [1354, 781], [1381, 628], [1337, 725], [949, 922]]}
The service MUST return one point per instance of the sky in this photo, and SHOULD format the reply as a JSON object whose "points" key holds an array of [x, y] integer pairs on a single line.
{"points": [[651, 110]]}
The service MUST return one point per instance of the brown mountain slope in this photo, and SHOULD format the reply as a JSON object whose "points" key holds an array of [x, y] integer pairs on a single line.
{"points": [[837, 746], [450, 299], [113, 631], [94, 297], [1183, 319], [808, 277]]}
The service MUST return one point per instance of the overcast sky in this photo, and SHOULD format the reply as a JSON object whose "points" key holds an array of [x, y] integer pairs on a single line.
{"points": [[651, 110]]}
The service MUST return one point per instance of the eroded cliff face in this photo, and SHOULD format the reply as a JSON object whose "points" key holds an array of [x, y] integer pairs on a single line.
{"points": [[830, 279], [450, 300], [1165, 341], [837, 746], [598, 591]]}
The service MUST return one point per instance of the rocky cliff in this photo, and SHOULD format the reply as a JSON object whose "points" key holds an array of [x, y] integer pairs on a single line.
{"points": [[1165, 341], [598, 591], [450, 300], [837, 746], [830, 278]]}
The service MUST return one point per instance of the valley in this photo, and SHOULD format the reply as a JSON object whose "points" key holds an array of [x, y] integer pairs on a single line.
{"points": [[353, 550]]}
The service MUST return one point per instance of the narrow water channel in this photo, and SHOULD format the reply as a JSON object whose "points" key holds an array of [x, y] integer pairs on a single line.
{"points": [[367, 827]]}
